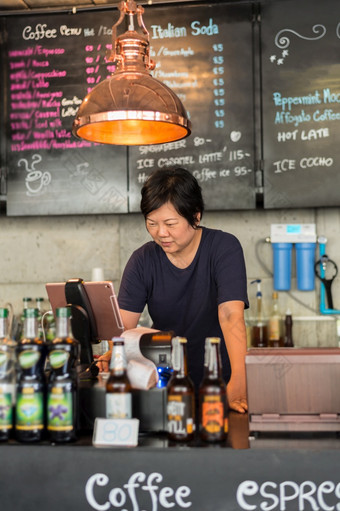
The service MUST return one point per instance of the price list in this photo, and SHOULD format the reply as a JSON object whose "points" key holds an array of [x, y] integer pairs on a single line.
{"points": [[52, 62], [301, 117], [51, 66], [203, 54]]}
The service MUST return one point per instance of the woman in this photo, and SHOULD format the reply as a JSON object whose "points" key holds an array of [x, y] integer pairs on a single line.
{"points": [[192, 279]]}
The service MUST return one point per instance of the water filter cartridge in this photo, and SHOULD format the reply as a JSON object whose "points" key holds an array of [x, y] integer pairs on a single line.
{"points": [[305, 259], [282, 266]]}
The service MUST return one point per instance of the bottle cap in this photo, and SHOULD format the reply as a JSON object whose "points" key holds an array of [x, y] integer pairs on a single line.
{"points": [[63, 312], [213, 340], [3, 313], [118, 340]]}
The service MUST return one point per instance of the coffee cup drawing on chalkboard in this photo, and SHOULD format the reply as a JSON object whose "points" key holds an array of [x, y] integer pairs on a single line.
{"points": [[36, 181]]}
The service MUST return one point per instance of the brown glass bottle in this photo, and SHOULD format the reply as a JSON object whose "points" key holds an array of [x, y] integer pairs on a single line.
{"points": [[212, 395], [180, 395], [118, 387], [7, 377], [30, 397], [62, 387], [288, 330]]}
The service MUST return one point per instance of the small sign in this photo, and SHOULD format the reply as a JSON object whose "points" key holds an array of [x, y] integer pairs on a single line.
{"points": [[115, 432]]}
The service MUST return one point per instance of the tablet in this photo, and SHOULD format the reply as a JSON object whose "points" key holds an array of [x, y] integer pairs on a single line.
{"points": [[104, 305]]}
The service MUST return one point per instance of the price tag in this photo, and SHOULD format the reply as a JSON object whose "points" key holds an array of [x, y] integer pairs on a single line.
{"points": [[115, 432]]}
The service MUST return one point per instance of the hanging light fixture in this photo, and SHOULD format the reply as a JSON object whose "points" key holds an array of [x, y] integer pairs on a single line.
{"points": [[131, 107]]}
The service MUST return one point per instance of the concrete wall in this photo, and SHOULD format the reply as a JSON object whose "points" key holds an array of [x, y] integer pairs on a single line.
{"points": [[37, 250]]}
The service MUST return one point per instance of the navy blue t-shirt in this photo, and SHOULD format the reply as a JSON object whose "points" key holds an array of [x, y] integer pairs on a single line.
{"points": [[186, 300]]}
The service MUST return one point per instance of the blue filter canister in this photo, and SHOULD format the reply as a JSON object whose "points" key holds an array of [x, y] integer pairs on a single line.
{"points": [[305, 259], [282, 265]]}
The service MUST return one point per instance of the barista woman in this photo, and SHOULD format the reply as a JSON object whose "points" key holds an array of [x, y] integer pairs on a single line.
{"points": [[192, 279]]}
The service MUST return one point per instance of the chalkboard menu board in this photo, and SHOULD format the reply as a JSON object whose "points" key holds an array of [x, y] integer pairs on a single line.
{"points": [[301, 103], [52, 63], [204, 53]]}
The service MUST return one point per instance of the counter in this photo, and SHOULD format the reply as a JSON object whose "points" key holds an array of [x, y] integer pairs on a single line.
{"points": [[287, 471]]}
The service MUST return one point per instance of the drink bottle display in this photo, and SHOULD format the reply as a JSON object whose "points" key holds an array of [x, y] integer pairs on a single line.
{"points": [[118, 387], [181, 395], [62, 388], [7, 377], [29, 412], [212, 395]]}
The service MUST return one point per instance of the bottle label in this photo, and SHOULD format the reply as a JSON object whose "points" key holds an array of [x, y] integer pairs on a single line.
{"points": [[29, 409], [118, 405], [60, 409], [274, 329], [28, 358], [213, 414], [58, 358], [180, 415], [6, 410]]}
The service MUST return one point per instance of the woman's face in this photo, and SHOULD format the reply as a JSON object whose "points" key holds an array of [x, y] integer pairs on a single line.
{"points": [[170, 230]]}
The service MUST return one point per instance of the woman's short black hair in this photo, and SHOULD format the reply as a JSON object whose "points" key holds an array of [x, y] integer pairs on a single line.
{"points": [[177, 186]]}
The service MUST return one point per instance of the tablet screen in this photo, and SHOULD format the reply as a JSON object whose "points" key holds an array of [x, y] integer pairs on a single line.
{"points": [[103, 301]]}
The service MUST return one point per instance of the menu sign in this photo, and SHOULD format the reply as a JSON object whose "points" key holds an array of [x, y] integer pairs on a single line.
{"points": [[52, 63], [301, 99], [203, 53]]}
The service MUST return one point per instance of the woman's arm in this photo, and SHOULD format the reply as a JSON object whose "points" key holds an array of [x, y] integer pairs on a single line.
{"points": [[231, 318], [130, 320]]}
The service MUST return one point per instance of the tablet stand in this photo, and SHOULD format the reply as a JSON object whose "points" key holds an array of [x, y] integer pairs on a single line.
{"points": [[83, 323]]}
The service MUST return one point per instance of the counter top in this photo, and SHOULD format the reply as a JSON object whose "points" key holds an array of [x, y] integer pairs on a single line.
{"points": [[293, 470]]}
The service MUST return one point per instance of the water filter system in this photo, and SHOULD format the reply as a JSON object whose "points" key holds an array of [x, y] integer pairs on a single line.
{"points": [[284, 239]]}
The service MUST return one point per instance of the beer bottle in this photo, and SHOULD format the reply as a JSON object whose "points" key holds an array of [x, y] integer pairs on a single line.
{"points": [[39, 304], [181, 395], [7, 377], [275, 337], [29, 412], [118, 387], [212, 395], [62, 388], [26, 304]]}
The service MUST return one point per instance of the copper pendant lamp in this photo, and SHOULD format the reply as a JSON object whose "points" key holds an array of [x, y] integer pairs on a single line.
{"points": [[131, 107]]}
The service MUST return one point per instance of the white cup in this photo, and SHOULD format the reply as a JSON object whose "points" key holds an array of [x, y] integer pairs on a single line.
{"points": [[97, 274]]}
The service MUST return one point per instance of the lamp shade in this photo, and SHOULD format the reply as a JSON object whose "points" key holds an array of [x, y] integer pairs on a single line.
{"points": [[131, 107]]}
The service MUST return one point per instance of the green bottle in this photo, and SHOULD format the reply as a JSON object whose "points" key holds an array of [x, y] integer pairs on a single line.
{"points": [[26, 303], [7, 377], [62, 389], [31, 354]]}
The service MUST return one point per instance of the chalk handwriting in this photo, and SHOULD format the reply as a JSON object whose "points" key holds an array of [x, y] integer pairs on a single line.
{"points": [[165, 497], [282, 41]]}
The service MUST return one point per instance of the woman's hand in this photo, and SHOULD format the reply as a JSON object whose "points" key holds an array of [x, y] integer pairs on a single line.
{"points": [[231, 317], [237, 399], [104, 361]]}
